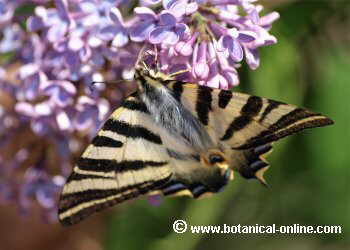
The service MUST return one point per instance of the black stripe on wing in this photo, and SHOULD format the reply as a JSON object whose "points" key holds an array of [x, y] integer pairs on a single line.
{"points": [[104, 141], [83, 204], [135, 105], [131, 131], [203, 104], [225, 97], [272, 105], [177, 89], [247, 113], [292, 117], [288, 124], [102, 165]]}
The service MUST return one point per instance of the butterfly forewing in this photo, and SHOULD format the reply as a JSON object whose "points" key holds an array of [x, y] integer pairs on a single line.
{"points": [[126, 159], [243, 120]]}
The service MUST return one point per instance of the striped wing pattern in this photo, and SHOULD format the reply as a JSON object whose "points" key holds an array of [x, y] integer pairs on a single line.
{"points": [[247, 124], [125, 160], [132, 156]]}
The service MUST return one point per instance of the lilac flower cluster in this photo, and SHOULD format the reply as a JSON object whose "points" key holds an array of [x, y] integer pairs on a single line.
{"points": [[208, 38], [52, 52]]}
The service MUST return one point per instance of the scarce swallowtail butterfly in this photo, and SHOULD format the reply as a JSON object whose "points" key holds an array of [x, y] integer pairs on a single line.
{"points": [[177, 138]]}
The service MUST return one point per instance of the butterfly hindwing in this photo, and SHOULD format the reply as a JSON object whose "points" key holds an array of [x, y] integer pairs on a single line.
{"points": [[126, 159]]}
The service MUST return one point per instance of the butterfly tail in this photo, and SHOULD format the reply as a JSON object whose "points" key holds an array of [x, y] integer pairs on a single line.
{"points": [[251, 163]]}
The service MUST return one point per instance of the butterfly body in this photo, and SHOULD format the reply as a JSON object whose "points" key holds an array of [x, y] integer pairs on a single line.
{"points": [[176, 138], [171, 114]]}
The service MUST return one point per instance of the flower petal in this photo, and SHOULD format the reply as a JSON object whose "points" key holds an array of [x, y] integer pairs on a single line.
{"points": [[163, 35], [107, 33], [120, 39], [56, 32], [246, 36], [116, 16], [201, 70], [25, 108], [72, 58], [145, 13], [150, 2], [266, 21], [236, 51], [168, 3], [141, 31], [75, 43], [176, 7], [191, 8], [182, 30], [184, 48], [42, 109], [232, 78], [35, 23], [252, 58], [63, 121], [166, 18]]}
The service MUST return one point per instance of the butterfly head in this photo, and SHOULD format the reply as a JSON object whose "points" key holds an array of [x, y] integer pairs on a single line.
{"points": [[149, 79]]}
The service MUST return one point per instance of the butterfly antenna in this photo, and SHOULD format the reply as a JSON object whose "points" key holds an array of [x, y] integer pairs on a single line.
{"points": [[140, 57], [112, 82], [145, 65], [156, 61], [178, 73], [92, 88]]}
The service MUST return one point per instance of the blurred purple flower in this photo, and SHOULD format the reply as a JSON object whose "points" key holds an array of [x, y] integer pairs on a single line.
{"points": [[91, 113], [39, 185], [12, 38], [7, 8]]}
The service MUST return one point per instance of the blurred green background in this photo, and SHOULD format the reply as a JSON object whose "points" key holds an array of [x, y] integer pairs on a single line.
{"points": [[310, 173]]}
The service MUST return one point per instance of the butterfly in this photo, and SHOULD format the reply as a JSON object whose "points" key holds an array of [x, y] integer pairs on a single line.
{"points": [[177, 138]]}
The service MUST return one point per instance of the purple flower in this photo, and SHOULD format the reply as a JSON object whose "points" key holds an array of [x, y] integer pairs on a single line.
{"points": [[168, 31], [162, 28], [233, 41], [119, 33], [249, 32], [146, 22], [185, 47], [222, 74]]}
